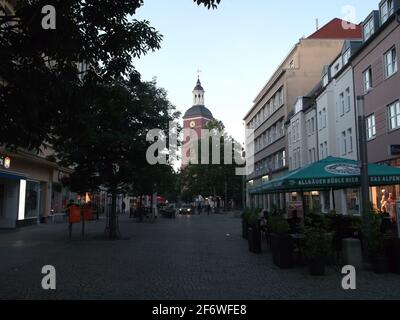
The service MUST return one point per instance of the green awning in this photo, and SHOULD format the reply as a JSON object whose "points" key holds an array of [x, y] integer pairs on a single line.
{"points": [[330, 173]]}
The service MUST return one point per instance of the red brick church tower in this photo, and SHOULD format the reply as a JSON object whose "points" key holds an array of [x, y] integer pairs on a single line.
{"points": [[195, 118]]}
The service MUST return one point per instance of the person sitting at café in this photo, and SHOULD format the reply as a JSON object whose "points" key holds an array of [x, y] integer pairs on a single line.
{"points": [[294, 223]]}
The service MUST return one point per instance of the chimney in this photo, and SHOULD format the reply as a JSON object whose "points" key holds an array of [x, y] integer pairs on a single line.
{"points": [[317, 24]]}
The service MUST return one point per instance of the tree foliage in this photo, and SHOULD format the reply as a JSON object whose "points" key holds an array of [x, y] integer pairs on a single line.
{"points": [[213, 179]]}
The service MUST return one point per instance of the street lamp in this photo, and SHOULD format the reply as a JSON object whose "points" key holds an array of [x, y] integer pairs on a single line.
{"points": [[363, 150]]}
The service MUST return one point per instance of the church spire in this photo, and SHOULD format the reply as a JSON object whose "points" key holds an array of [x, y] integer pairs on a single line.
{"points": [[198, 94]]}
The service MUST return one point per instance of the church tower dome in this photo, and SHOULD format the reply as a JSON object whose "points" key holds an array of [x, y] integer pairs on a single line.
{"points": [[198, 94], [198, 109]]}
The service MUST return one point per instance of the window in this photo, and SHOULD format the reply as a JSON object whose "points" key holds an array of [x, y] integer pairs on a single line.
{"points": [[321, 151], [369, 29], [394, 116], [387, 10], [336, 68], [326, 148], [269, 136], [390, 62], [297, 130], [348, 100], [323, 118], [273, 129], [282, 128], [312, 125], [320, 120], [367, 76], [281, 101], [371, 127], [341, 106], [346, 56], [344, 143], [350, 139], [284, 158]]}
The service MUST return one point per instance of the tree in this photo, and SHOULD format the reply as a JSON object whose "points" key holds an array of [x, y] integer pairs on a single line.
{"points": [[39, 66], [107, 143], [75, 87], [213, 179]]}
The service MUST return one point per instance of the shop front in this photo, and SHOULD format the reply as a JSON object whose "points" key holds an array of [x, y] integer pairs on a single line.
{"points": [[384, 197], [12, 200], [26, 194], [336, 175]]}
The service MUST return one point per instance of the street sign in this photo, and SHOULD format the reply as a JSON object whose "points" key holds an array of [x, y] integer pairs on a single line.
{"points": [[395, 150]]}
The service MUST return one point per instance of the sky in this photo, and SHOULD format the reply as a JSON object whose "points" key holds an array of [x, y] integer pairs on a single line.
{"points": [[237, 47]]}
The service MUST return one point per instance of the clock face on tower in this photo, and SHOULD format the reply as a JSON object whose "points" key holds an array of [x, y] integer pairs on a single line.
{"points": [[192, 124]]}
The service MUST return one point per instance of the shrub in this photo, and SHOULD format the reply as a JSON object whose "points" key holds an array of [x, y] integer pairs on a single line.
{"points": [[246, 213], [278, 225]]}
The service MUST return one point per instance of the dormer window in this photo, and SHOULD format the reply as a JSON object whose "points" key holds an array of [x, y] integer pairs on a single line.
{"points": [[369, 29], [387, 9], [346, 56]]}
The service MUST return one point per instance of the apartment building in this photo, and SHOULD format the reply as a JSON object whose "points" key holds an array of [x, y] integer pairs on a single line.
{"points": [[377, 80], [295, 77], [337, 124]]}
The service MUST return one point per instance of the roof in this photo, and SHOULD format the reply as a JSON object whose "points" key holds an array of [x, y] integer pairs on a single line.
{"points": [[334, 30], [198, 86], [198, 111]]}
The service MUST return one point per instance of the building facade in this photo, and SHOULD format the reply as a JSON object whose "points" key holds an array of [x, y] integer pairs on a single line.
{"points": [[377, 81], [294, 78]]}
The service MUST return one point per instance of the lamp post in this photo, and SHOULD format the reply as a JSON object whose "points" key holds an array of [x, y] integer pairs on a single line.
{"points": [[363, 152]]}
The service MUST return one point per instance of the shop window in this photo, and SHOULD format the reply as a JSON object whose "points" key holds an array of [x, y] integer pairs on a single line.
{"points": [[352, 200], [32, 200]]}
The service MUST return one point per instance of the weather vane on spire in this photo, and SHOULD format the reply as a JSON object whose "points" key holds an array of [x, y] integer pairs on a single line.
{"points": [[198, 73]]}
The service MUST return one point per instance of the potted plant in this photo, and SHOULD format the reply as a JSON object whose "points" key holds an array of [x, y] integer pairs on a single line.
{"points": [[281, 242], [254, 232], [376, 244], [316, 248], [245, 216]]}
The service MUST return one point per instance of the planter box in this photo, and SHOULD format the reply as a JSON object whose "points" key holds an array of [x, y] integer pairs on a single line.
{"points": [[245, 227], [282, 251], [254, 239]]}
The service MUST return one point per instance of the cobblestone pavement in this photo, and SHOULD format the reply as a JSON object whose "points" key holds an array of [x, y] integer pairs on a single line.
{"points": [[199, 257]]}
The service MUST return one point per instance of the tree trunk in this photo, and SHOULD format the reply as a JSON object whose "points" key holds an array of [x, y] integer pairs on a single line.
{"points": [[113, 216]]}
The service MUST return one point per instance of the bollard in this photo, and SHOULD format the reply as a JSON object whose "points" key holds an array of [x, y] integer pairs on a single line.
{"points": [[352, 252]]}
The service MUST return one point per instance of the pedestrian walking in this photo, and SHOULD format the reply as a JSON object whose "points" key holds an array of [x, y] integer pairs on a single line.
{"points": [[123, 207], [208, 208]]}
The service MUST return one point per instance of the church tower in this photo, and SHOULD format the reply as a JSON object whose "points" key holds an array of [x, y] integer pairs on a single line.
{"points": [[195, 118]]}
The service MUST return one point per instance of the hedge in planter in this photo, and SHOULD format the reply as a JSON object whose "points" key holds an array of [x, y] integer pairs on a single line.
{"points": [[376, 244], [281, 242], [254, 232], [317, 246], [245, 216]]}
